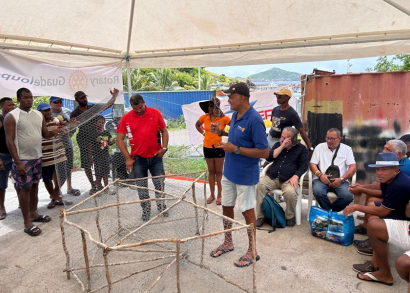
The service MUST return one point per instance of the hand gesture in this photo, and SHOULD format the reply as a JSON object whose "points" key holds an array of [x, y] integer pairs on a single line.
{"points": [[114, 92], [214, 128], [287, 142]]}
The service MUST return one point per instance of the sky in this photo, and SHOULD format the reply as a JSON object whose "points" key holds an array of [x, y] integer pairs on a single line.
{"points": [[341, 66]]}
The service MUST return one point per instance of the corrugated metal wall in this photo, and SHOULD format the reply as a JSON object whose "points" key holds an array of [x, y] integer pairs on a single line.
{"points": [[368, 108], [168, 103]]}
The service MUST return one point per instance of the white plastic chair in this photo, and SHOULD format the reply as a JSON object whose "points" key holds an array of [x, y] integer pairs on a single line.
{"points": [[330, 194], [278, 192]]}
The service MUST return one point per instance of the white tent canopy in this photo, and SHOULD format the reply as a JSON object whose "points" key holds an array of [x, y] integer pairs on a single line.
{"points": [[186, 33]]}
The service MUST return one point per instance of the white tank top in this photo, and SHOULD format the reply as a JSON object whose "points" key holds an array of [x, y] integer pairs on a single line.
{"points": [[28, 133]]}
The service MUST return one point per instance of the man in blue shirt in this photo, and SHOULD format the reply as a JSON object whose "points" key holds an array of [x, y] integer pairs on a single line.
{"points": [[291, 161], [247, 143]]}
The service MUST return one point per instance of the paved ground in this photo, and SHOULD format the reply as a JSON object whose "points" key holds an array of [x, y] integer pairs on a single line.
{"points": [[291, 259]]}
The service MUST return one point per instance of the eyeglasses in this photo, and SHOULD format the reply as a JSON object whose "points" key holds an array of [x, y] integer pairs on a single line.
{"points": [[331, 138], [57, 102]]}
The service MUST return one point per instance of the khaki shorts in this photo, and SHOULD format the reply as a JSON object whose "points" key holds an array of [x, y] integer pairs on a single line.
{"points": [[244, 193]]}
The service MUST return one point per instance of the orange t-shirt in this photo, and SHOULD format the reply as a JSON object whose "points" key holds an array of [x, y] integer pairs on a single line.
{"points": [[212, 138]]}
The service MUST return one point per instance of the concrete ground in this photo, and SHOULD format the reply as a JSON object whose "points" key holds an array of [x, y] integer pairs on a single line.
{"points": [[291, 259]]}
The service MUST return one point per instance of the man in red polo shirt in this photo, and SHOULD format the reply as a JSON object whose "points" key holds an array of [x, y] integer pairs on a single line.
{"points": [[141, 127]]}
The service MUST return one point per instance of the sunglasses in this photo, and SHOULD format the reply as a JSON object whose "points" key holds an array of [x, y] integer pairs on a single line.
{"points": [[281, 96], [57, 102]]}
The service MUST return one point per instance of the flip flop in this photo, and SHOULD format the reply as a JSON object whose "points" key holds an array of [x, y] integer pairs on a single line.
{"points": [[51, 204], [222, 250], [373, 279], [30, 231], [210, 200], [3, 216], [218, 201], [75, 192], [249, 260], [42, 219], [65, 202]]}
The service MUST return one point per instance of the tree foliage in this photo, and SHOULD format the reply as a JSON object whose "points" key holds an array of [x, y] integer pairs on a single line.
{"points": [[400, 62]]}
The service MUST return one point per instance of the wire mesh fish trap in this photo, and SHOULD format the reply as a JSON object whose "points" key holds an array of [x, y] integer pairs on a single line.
{"points": [[111, 247]]}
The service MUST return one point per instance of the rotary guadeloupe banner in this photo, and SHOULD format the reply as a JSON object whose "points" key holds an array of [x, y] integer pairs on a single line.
{"points": [[42, 79]]}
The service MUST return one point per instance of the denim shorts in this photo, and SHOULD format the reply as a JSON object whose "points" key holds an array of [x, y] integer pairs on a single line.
{"points": [[4, 174]]}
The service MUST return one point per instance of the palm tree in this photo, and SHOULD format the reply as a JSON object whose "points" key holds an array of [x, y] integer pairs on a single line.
{"points": [[206, 81], [162, 78]]}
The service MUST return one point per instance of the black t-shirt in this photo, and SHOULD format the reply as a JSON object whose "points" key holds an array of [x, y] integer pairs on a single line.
{"points": [[281, 119], [3, 146], [87, 128]]}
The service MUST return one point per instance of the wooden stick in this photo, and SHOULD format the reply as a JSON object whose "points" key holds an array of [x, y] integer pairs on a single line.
{"points": [[118, 206], [195, 208], [67, 254], [87, 264], [107, 272], [178, 266], [166, 175], [79, 282], [251, 230], [160, 275], [97, 222]]}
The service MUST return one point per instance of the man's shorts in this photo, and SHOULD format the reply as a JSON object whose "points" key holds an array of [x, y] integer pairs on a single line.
{"points": [[210, 153], [85, 154], [33, 176], [244, 193], [4, 174], [47, 173], [398, 234]]}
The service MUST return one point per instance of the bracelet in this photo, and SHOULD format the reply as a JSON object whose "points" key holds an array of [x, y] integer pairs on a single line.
{"points": [[317, 172]]}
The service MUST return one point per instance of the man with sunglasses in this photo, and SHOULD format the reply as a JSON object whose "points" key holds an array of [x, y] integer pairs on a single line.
{"points": [[285, 116], [323, 183], [63, 115]]}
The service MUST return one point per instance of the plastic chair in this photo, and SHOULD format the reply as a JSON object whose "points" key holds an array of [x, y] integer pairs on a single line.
{"points": [[330, 194], [278, 192]]}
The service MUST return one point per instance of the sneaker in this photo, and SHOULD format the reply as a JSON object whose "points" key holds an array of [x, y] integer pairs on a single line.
{"points": [[365, 250], [291, 222], [166, 214], [359, 229], [362, 243], [145, 216], [367, 267], [260, 222]]}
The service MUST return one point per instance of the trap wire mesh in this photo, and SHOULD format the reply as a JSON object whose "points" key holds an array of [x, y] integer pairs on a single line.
{"points": [[110, 247]]}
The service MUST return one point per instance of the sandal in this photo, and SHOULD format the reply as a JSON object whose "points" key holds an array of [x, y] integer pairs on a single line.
{"points": [[42, 219], [51, 204], [218, 201], [222, 250], [30, 231], [359, 229], [3, 216], [75, 192], [249, 261], [210, 199]]}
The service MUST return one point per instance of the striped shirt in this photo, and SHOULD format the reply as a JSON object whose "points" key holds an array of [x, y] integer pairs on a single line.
{"points": [[53, 149]]}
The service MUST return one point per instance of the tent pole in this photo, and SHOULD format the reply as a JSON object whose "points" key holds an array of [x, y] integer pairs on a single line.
{"points": [[127, 54], [398, 6], [199, 78]]}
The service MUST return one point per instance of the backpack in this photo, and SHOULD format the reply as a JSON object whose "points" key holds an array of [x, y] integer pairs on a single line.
{"points": [[273, 212]]}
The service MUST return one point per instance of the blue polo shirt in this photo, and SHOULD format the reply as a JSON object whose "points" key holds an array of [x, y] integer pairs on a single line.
{"points": [[406, 168], [248, 131]]}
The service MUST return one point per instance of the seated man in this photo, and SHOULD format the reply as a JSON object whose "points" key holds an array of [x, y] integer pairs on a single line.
{"points": [[388, 222], [321, 160], [290, 162], [406, 139], [372, 191]]}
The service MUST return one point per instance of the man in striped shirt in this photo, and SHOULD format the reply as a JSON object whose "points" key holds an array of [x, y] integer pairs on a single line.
{"points": [[54, 159]]}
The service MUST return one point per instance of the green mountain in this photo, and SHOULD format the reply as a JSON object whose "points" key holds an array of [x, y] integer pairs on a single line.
{"points": [[276, 74]]}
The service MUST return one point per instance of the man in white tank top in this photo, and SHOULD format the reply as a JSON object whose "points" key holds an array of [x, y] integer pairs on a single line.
{"points": [[24, 129]]}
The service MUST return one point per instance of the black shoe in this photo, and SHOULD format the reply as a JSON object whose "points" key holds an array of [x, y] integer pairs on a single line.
{"points": [[291, 222], [166, 214], [145, 216], [260, 222], [359, 229], [362, 243], [367, 267]]}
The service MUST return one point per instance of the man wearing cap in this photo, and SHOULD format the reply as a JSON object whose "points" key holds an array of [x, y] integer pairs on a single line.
{"points": [[6, 161], [53, 167], [284, 116], [24, 131], [246, 144], [388, 222], [321, 159], [406, 139], [87, 130], [141, 126], [63, 115]]}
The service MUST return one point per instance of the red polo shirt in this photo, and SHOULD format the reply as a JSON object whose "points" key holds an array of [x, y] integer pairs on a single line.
{"points": [[142, 131]]}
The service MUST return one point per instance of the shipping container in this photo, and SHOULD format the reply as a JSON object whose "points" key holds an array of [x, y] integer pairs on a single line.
{"points": [[368, 108]]}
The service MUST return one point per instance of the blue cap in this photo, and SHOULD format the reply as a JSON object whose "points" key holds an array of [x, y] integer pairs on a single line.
{"points": [[386, 160], [52, 99], [43, 106]]}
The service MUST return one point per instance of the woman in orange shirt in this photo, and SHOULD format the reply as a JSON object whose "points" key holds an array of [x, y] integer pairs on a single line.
{"points": [[214, 155]]}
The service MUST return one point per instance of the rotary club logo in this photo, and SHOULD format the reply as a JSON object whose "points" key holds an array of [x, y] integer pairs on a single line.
{"points": [[78, 81]]}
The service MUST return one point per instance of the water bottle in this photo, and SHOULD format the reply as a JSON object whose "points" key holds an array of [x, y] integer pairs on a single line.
{"points": [[129, 134]]}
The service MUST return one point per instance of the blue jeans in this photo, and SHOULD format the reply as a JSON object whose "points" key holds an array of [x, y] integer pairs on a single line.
{"points": [[344, 197], [4, 174], [156, 168]]}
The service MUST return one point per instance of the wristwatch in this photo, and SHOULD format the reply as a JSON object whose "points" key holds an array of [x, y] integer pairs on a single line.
{"points": [[341, 178], [237, 151], [311, 148], [165, 149]]}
